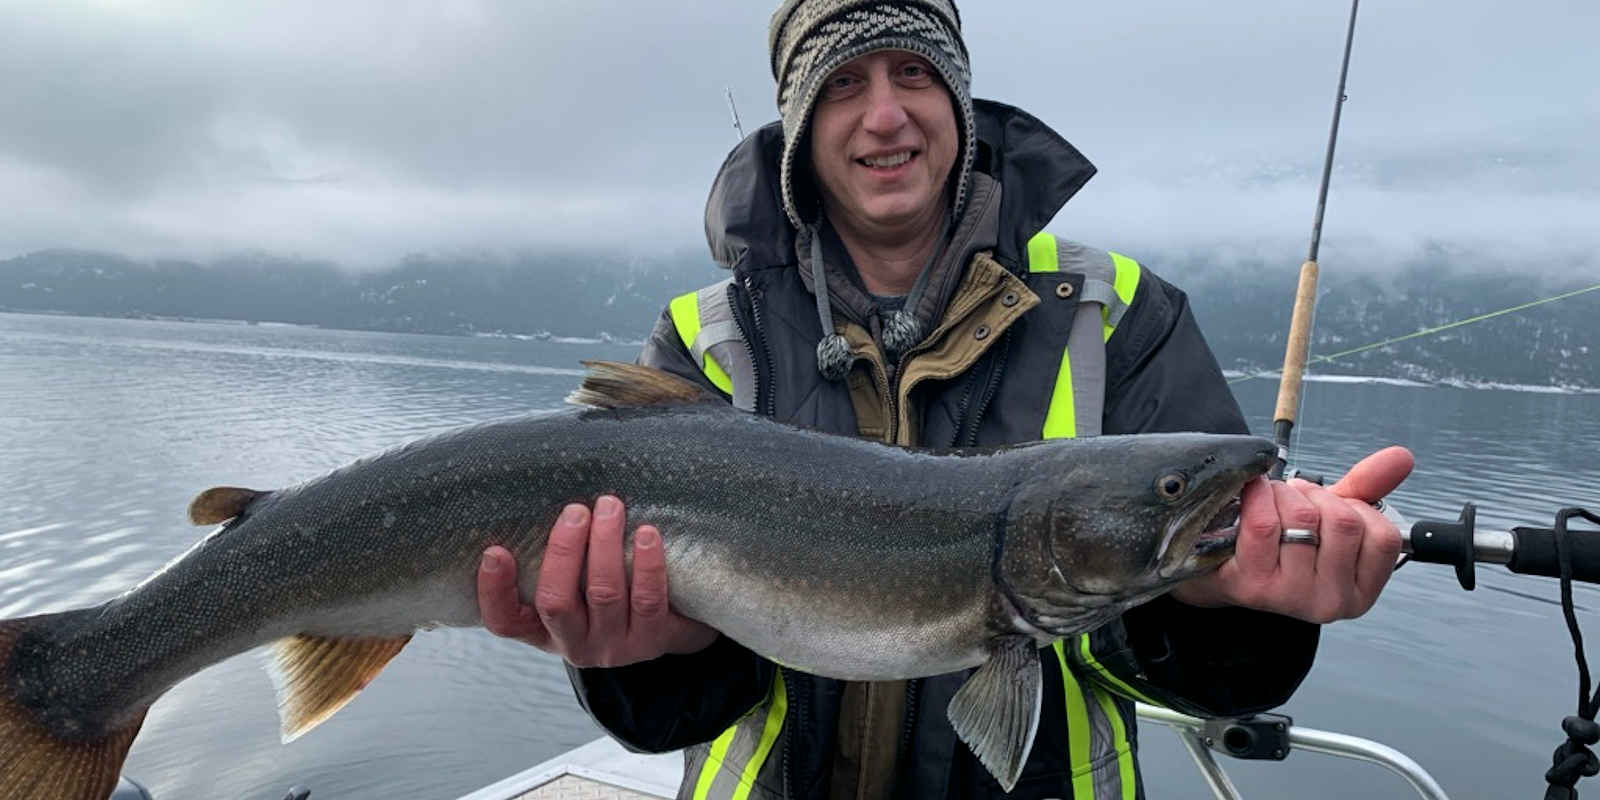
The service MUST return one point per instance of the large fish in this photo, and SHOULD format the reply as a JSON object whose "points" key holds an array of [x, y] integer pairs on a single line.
{"points": [[839, 556]]}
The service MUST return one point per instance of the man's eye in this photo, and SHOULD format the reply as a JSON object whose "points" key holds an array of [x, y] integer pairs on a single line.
{"points": [[915, 73], [838, 85]]}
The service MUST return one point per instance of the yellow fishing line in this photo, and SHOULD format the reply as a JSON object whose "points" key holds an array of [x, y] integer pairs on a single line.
{"points": [[1429, 331]]}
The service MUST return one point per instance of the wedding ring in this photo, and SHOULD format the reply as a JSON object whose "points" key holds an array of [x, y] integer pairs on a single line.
{"points": [[1300, 536]]}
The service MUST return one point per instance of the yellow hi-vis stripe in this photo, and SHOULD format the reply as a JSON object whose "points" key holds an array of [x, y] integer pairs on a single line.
{"points": [[1078, 731], [685, 311], [1126, 285], [769, 736], [1120, 741], [709, 770], [1042, 254], [1105, 674], [1061, 419], [777, 706]]}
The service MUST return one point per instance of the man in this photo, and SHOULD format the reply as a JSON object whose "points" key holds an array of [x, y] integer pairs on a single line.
{"points": [[890, 281]]}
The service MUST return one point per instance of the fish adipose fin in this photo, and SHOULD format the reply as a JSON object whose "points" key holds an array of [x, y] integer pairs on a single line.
{"points": [[35, 762], [317, 675], [613, 384], [220, 504], [996, 712]]}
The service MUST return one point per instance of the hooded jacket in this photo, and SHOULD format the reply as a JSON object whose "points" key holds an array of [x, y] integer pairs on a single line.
{"points": [[981, 377]]}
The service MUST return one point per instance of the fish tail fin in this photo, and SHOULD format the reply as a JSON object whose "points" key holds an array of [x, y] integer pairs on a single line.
{"points": [[40, 755], [317, 675]]}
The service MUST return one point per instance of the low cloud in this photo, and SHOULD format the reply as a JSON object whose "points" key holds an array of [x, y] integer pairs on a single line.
{"points": [[364, 131]]}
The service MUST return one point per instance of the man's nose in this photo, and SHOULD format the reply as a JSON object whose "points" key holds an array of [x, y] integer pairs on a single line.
{"points": [[886, 113]]}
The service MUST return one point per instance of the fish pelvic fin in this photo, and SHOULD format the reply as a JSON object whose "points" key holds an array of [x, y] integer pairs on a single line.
{"points": [[220, 504], [317, 675], [996, 712], [38, 760], [613, 384]]}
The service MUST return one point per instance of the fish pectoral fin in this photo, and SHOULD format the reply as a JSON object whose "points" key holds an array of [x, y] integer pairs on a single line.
{"points": [[317, 675], [613, 384], [220, 504], [996, 712]]}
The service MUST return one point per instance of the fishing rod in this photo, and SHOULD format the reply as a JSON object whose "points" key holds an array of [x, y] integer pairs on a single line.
{"points": [[1549, 552], [733, 109], [1436, 329], [1532, 551], [1305, 298]]}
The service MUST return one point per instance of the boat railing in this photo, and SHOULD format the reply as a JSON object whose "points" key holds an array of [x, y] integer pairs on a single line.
{"points": [[603, 766], [1235, 737]]}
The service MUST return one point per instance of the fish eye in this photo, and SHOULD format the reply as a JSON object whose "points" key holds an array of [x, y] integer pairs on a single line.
{"points": [[1172, 486]]}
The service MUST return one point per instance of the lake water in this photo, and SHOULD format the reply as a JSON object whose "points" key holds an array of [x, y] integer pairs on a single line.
{"points": [[109, 427]]}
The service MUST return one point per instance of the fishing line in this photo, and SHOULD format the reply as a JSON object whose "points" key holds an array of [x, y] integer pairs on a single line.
{"points": [[1305, 397], [1429, 331]]}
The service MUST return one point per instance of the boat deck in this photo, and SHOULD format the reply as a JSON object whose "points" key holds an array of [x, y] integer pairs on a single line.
{"points": [[599, 770]]}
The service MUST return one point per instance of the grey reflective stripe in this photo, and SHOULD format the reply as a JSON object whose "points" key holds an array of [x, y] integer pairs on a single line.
{"points": [[719, 336], [1097, 291], [740, 764], [1099, 270], [1113, 771], [1086, 348], [710, 335], [1115, 310], [1099, 752]]}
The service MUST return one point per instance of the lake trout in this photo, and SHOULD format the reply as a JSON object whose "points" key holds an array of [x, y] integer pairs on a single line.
{"points": [[838, 556]]}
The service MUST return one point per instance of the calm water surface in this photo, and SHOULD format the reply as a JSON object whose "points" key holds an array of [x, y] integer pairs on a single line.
{"points": [[109, 427]]}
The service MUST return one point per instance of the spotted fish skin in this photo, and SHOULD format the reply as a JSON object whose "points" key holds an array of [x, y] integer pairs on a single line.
{"points": [[844, 557]]}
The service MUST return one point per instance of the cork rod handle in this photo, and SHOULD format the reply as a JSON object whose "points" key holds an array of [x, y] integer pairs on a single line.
{"points": [[1299, 348]]}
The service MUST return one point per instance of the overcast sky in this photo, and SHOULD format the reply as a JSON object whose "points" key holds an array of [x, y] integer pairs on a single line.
{"points": [[362, 130]]}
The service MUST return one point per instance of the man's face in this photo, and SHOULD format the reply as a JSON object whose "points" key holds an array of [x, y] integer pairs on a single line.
{"points": [[883, 141]]}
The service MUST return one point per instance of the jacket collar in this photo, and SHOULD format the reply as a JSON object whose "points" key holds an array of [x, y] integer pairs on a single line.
{"points": [[1036, 168]]}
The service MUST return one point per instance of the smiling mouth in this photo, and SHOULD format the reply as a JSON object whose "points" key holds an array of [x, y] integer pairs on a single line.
{"points": [[889, 162]]}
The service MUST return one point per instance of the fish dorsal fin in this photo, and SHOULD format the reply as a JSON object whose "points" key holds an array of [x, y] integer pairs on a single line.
{"points": [[996, 712], [317, 675], [220, 504], [613, 384]]}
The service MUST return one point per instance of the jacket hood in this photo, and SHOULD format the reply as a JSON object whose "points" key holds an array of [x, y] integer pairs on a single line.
{"points": [[1036, 168]]}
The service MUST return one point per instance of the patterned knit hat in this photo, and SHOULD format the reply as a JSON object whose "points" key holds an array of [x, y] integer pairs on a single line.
{"points": [[809, 39]]}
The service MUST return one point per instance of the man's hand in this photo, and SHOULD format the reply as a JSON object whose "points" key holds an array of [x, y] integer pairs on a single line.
{"points": [[584, 609], [1338, 579]]}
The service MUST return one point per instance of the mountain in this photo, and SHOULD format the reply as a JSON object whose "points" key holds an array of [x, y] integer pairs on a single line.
{"points": [[1245, 315], [1243, 308], [563, 293]]}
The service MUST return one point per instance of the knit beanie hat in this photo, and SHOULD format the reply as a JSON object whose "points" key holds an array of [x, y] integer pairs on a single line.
{"points": [[809, 39]]}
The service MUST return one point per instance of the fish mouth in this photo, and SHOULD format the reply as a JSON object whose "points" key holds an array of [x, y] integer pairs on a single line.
{"points": [[1204, 536], [1222, 531]]}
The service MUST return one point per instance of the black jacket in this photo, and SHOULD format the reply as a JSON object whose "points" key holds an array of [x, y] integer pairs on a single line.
{"points": [[1161, 377]]}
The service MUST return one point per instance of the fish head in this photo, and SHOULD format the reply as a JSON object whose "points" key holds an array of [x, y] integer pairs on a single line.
{"points": [[1115, 521]]}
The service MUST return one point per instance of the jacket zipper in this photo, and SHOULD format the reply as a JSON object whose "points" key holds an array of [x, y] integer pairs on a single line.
{"points": [[766, 403], [801, 712], [903, 754], [900, 368], [996, 372], [968, 389], [755, 346], [891, 401]]}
